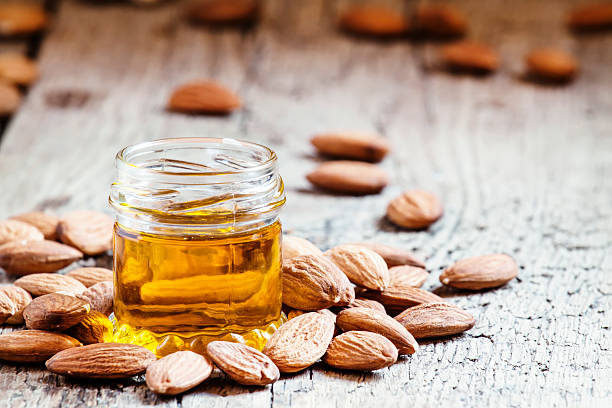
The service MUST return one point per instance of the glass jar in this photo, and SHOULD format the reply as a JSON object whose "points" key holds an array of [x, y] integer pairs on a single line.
{"points": [[196, 243]]}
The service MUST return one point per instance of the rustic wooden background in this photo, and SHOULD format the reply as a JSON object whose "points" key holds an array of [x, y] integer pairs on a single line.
{"points": [[522, 168]]}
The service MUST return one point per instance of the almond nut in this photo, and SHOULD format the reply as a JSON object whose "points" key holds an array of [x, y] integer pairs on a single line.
{"points": [[408, 276], [470, 56], [349, 177], [373, 20], [7, 307], [439, 20], [397, 298], [223, 11], [360, 350], [178, 372], [44, 222], [363, 267], [14, 230], [242, 363], [55, 312], [39, 284], [591, 17], [20, 18], [100, 297], [33, 346], [480, 272], [89, 276], [295, 246], [23, 258], [94, 328], [551, 65], [414, 209], [18, 69], [203, 97], [352, 145], [19, 299], [394, 256], [369, 303], [89, 231], [435, 320]]}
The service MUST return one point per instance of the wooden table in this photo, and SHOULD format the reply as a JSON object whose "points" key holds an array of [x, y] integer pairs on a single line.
{"points": [[522, 168]]}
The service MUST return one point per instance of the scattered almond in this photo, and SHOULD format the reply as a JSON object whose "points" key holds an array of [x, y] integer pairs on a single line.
{"points": [[349, 177], [373, 20], [591, 17], [435, 320], [295, 246], [242, 363], [178, 372], [23, 258], [44, 222], [223, 11], [360, 350], [363, 267], [94, 328], [55, 312], [18, 298], [10, 98], [480, 272], [439, 20], [408, 276], [203, 97], [352, 145], [89, 276], [19, 18], [103, 360], [394, 256], [552, 65], [7, 307], [100, 297], [397, 297], [39, 284], [414, 209], [89, 231], [300, 342], [33, 346], [13, 230], [18, 69], [470, 56], [369, 303]]}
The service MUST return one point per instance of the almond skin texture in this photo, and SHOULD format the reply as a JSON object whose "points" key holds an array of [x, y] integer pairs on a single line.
{"points": [[19, 299], [394, 256], [312, 282], [103, 360], [203, 97], [14, 230], [223, 11], [435, 320], [469, 56], [439, 20], [408, 276], [351, 145], [18, 69], [89, 231], [91, 275], [24, 258], [295, 246], [374, 21], [39, 284], [300, 342], [94, 328], [551, 65], [7, 307], [369, 303], [363, 267], [55, 312], [100, 297], [480, 272], [591, 17], [349, 177], [178, 372], [295, 313], [21, 18], [10, 99], [397, 297], [366, 319], [414, 209], [360, 350], [33, 346], [242, 363], [44, 222]]}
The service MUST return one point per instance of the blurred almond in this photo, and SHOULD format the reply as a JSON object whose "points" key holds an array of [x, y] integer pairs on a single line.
{"points": [[397, 297], [18, 299], [93, 328], [33, 346], [295, 246], [352, 145], [480, 272], [19, 18], [439, 20], [360, 350], [552, 65], [38, 284], [435, 320], [89, 276], [10, 99], [591, 17], [414, 209], [373, 20], [470, 56], [18, 69], [44, 222], [23, 258], [178, 372], [54, 312], [203, 97], [407, 275], [14, 230], [100, 297], [242, 363], [394, 256], [349, 177], [362, 266], [223, 11]]}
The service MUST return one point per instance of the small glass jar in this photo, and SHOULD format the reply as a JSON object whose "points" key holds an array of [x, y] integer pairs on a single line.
{"points": [[196, 243]]}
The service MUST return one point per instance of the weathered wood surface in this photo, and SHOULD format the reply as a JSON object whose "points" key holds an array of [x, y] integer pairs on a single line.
{"points": [[522, 169]]}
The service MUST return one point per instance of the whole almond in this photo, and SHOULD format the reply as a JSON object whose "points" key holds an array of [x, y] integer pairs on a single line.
{"points": [[363, 267], [374, 20], [242, 363], [223, 11], [89, 276], [480, 272], [39, 284], [312, 282], [470, 56], [397, 297], [10, 98], [7, 307], [178, 372], [18, 69], [54, 312], [349, 177], [408, 276], [295, 246], [33, 346], [44, 222], [103, 360], [23, 258], [19, 299], [203, 97], [300, 342], [19, 18], [100, 297], [552, 65], [369, 303], [435, 320], [89, 231], [14, 230], [439, 20], [591, 17], [360, 350], [352, 145], [366, 319], [394, 256], [94, 328], [414, 209]]}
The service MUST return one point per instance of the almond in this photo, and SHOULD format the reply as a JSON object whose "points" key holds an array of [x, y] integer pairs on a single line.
{"points": [[89, 276], [242, 363], [55, 312], [349, 177], [300, 342], [414, 209], [44, 222], [552, 65], [470, 57], [352, 145], [435, 320], [10, 98], [100, 297], [33, 346], [203, 97], [19, 18], [295, 246], [374, 20], [223, 11], [103, 360], [39, 284], [591, 17], [480, 272], [366, 319], [7, 307], [394, 256], [312, 282], [439, 20], [408, 276], [94, 328], [369, 303], [23, 258], [363, 267], [89, 231], [360, 350], [19, 299], [18, 69], [13, 230], [397, 297], [178, 372], [295, 313]]}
